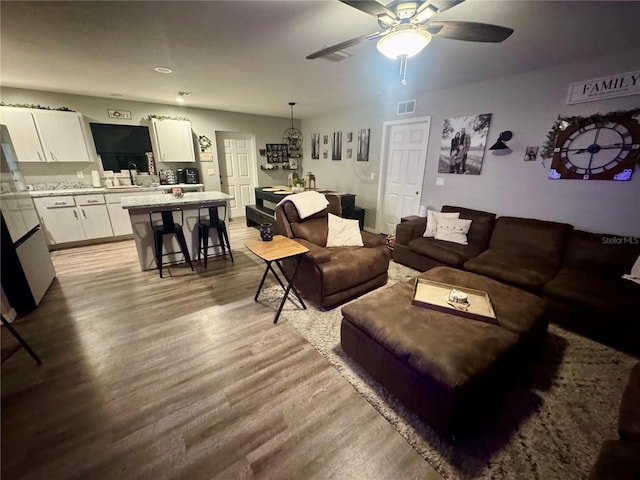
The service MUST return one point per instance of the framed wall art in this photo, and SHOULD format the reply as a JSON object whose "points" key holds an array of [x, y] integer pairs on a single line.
{"points": [[336, 146], [315, 146], [277, 152], [363, 144], [463, 143], [530, 154]]}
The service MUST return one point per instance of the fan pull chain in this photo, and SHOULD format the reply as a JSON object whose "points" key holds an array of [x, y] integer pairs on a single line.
{"points": [[403, 69]]}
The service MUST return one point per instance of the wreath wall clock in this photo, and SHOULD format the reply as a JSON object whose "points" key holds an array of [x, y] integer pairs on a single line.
{"points": [[600, 150]]}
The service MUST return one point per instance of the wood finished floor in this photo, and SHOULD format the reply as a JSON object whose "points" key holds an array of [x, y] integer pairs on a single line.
{"points": [[183, 377]]}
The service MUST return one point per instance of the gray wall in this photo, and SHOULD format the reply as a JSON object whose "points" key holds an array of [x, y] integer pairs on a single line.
{"points": [[204, 122], [526, 104]]}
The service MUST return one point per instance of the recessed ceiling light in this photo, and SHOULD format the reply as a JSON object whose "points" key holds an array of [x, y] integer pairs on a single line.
{"points": [[163, 70]]}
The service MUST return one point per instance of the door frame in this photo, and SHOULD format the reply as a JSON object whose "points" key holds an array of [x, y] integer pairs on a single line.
{"points": [[386, 129]]}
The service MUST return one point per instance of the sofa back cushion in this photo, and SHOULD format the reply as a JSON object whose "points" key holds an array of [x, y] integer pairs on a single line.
{"points": [[604, 253], [481, 224], [533, 238]]}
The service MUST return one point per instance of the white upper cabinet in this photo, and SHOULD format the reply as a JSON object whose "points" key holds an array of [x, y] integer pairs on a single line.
{"points": [[63, 137], [47, 135], [24, 135], [173, 140]]}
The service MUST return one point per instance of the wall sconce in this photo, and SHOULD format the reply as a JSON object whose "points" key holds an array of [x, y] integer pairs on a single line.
{"points": [[263, 152], [504, 137]]}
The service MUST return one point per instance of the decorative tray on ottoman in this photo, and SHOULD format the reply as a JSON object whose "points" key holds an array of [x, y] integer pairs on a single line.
{"points": [[436, 296]]}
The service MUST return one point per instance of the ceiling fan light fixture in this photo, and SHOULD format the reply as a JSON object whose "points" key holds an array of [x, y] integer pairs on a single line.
{"points": [[403, 43]]}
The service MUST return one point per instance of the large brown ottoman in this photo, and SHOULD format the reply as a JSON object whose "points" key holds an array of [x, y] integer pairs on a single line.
{"points": [[441, 365]]}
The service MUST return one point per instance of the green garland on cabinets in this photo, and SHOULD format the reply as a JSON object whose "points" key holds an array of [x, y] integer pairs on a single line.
{"points": [[34, 106], [165, 117]]}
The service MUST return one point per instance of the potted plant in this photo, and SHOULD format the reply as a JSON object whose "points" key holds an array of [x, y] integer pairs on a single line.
{"points": [[297, 185]]}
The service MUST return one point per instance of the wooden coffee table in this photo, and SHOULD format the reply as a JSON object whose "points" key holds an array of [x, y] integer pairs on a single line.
{"points": [[275, 251]]}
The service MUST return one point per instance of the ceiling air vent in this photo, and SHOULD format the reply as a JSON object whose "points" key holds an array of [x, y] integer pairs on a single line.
{"points": [[406, 107]]}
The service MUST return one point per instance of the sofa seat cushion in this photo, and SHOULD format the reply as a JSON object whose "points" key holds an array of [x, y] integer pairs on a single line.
{"points": [[351, 266], [517, 269], [449, 253], [596, 293], [629, 417]]}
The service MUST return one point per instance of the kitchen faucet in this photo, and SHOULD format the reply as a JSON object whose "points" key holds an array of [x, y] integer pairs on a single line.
{"points": [[131, 164]]}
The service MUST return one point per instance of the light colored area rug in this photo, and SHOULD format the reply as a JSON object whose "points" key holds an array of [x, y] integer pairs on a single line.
{"points": [[549, 426]]}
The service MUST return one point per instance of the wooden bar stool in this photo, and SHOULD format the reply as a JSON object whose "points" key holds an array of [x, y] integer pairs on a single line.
{"points": [[169, 227], [213, 222]]}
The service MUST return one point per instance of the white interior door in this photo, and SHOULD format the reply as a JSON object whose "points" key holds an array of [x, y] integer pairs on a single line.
{"points": [[238, 177], [405, 159]]}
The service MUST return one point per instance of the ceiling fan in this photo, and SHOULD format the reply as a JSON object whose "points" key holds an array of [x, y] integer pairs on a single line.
{"points": [[407, 27]]}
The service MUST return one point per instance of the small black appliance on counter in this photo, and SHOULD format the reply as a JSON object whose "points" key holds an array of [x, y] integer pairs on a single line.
{"points": [[181, 175], [192, 175]]}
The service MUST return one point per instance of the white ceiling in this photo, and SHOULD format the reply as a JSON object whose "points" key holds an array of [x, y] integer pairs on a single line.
{"points": [[249, 56]]}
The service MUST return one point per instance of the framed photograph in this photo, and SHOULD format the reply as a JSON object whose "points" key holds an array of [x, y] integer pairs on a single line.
{"points": [[363, 144], [349, 137], [277, 152], [463, 142], [349, 152], [315, 146], [325, 140], [336, 146], [530, 154], [325, 154]]}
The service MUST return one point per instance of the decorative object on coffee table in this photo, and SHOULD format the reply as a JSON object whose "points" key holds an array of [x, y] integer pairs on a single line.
{"points": [[462, 301]]}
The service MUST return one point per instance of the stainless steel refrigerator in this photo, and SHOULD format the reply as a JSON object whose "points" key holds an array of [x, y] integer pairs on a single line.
{"points": [[27, 269]]}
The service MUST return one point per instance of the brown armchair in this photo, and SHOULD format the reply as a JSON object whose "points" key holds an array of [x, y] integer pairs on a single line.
{"points": [[330, 276]]}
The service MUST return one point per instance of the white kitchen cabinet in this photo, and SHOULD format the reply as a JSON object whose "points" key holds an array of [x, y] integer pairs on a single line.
{"points": [[173, 140], [23, 132], [94, 216], [68, 219], [47, 135], [63, 136]]}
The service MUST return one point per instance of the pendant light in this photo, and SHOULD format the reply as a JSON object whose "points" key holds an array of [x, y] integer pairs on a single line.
{"points": [[292, 137]]}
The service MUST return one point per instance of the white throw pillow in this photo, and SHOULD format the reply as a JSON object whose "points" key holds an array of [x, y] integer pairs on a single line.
{"points": [[343, 232], [453, 230], [432, 221]]}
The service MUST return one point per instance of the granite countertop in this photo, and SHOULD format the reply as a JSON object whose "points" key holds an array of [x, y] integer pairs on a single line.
{"points": [[189, 199], [94, 190]]}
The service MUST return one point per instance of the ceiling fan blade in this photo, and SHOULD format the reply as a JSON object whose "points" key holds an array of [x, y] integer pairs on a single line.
{"points": [[469, 31], [441, 5], [371, 7], [346, 44]]}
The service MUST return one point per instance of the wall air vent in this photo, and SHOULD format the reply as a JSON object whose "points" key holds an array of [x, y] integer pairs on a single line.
{"points": [[406, 107]]}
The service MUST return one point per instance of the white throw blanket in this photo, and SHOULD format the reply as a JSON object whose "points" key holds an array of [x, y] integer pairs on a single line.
{"points": [[307, 203], [634, 276]]}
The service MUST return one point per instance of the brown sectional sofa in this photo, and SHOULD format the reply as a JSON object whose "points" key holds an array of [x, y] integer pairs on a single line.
{"points": [[578, 273]]}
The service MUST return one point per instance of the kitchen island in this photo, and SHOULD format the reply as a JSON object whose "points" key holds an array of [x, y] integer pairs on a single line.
{"points": [[140, 207]]}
